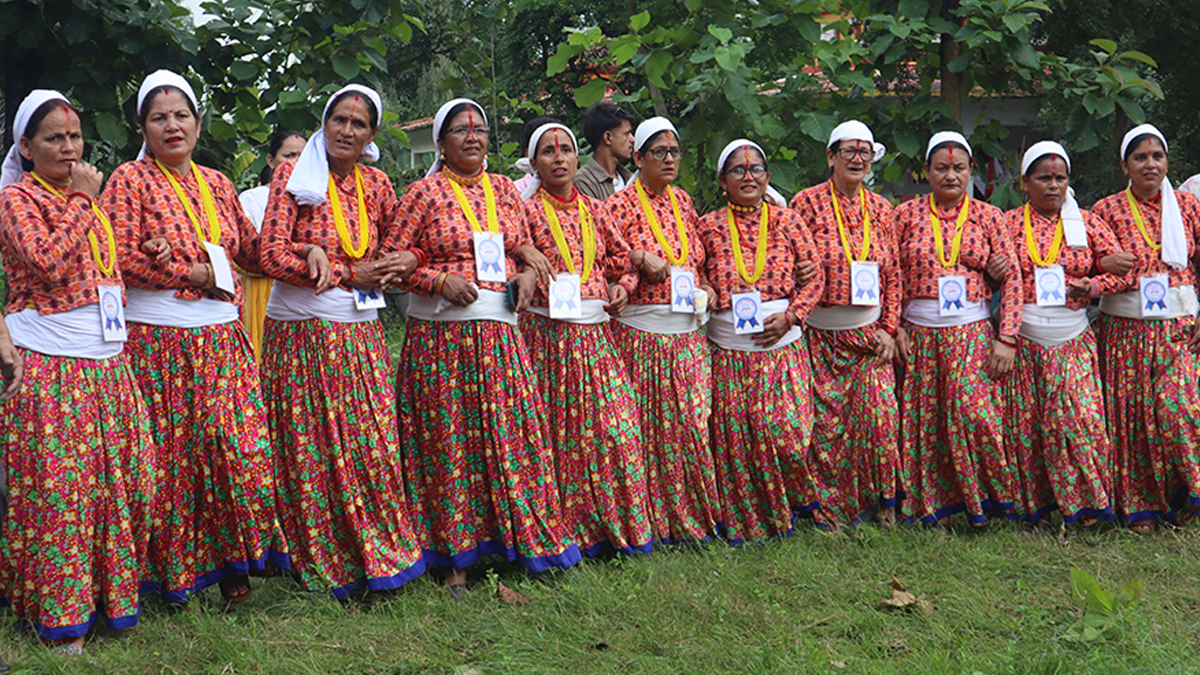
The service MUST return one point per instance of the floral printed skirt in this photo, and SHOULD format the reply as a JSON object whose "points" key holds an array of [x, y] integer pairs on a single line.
{"points": [[1054, 431], [80, 463], [760, 429], [672, 386], [854, 456], [952, 435], [1152, 402], [331, 407], [477, 466], [215, 513]]}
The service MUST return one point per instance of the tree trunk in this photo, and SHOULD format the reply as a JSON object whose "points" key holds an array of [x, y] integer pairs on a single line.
{"points": [[22, 70], [949, 49]]}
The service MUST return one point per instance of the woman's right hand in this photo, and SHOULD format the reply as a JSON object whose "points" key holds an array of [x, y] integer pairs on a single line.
{"points": [[86, 178], [319, 269], [458, 291], [203, 279], [902, 346], [12, 368], [1118, 263], [655, 269]]}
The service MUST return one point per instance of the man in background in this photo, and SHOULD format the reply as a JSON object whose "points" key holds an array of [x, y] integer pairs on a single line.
{"points": [[609, 130]]}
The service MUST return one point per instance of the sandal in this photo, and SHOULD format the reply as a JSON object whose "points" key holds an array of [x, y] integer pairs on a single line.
{"points": [[66, 649], [1145, 526], [1184, 518], [235, 589], [886, 517]]}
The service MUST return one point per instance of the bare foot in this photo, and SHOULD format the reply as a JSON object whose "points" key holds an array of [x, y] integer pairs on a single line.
{"points": [[886, 517], [1146, 526], [235, 589]]}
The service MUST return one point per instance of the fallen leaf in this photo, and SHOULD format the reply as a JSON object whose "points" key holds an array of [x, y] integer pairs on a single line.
{"points": [[510, 597], [902, 599], [838, 664]]}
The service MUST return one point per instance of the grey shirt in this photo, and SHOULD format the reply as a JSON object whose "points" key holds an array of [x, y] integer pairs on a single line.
{"points": [[593, 181]]}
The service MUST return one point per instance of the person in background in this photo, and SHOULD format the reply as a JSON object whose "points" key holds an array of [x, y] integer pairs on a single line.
{"points": [[609, 130], [524, 163]]}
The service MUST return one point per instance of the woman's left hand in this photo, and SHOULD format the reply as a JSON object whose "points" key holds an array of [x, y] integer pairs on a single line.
{"points": [[526, 283], [997, 268], [806, 271], [1000, 362], [774, 328], [393, 266], [1079, 289], [538, 262], [12, 368], [158, 249], [885, 345], [618, 298], [403, 264], [1194, 340]]}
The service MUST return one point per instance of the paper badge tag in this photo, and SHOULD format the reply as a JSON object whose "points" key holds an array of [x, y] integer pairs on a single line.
{"points": [[220, 265], [683, 287], [489, 256], [112, 313], [566, 297], [369, 298], [952, 295], [1051, 285], [864, 283], [1154, 294], [747, 313]]}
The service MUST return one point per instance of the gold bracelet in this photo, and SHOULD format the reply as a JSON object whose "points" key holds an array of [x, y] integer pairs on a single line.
{"points": [[212, 278], [441, 281]]}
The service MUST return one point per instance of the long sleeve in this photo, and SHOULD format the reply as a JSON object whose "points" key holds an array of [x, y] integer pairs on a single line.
{"points": [[1011, 302], [51, 245], [804, 297], [124, 200]]}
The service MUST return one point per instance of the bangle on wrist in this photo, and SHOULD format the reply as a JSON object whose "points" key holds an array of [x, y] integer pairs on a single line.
{"points": [[420, 255], [211, 281], [351, 279], [77, 193], [1008, 342], [441, 281]]}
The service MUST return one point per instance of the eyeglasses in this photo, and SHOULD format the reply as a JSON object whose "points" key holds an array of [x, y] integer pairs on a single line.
{"points": [[464, 130], [739, 172], [660, 153], [864, 154]]}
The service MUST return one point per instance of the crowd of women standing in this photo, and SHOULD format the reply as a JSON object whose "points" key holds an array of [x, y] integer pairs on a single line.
{"points": [[579, 375]]}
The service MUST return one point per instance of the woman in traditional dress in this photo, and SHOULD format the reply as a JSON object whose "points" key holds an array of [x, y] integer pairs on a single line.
{"points": [[762, 412], [854, 456], [327, 373], [477, 464], [952, 435], [77, 447], [1054, 410], [594, 430], [284, 145], [658, 337], [1149, 341], [214, 519]]}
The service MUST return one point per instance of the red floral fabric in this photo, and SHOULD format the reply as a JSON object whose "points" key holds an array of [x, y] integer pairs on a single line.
{"points": [[627, 215]]}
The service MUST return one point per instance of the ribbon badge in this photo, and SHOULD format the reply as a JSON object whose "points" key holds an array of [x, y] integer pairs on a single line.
{"points": [[564, 292], [746, 309], [1156, 294], [489, 254], [952, 291], [112, 310], [1049, 286], [684, 290], [364, 296], [864, 283]]}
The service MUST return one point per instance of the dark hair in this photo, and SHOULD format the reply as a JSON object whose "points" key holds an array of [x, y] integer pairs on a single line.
{"points": [[35, 121], [1137, 140], [532, 126], [372, 113], [600, 118], [744, 147], [949, 145], [454, 112], [1038, 162], [278, 138], [651, 140], [144, 112]]}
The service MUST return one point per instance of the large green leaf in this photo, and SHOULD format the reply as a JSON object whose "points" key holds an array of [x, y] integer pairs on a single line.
{"points": [[591, 93], [345, 66]]}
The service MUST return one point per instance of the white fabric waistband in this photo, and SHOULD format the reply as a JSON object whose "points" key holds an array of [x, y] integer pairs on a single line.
{"points": [[722, 333], [924, 312], [75, 333], [162, 308], [1052, 326], [660, 319], [489, 306], [295, 303], [843, 317], [592, 312], [1181, 301]]}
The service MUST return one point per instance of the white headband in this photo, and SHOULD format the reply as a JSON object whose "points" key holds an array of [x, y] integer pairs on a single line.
{"points": [[1174, 239], [646, 130], [12, 171], [532, 188], [309, 182], [440, 118], [1041, 149], [1074, 229], [774, 195], [1140, 130], [163, 78], [948, 136], [856, 131]]}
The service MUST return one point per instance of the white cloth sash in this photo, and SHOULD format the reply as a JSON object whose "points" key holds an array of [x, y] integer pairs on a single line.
{"points": [[659, 319], [162, 308], [592, 312], [722, 333], [1052, 326], [924, 312], [843, 317], [75, 333], [489, 306], [295, 303], [1182, 301]]}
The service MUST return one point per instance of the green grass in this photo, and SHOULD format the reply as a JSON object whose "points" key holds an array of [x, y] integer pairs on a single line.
{"points": [[807, 604]]}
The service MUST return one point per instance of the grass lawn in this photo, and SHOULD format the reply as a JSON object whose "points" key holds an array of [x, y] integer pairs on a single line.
{"points": [[808, 604]]}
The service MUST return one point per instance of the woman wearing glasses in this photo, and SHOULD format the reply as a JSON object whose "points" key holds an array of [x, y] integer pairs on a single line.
{"points": [[851, 336], [477, 464], [658, 336], [762, 411]]}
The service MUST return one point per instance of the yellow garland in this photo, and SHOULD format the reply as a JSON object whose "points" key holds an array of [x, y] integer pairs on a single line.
{"points": [[1141, 224], [837, 211], [588, 235], [936, 222], [657, 229], [210, 208], [1031, 242], [488, 195], [108, 233], [760, 254], [339, 218]]}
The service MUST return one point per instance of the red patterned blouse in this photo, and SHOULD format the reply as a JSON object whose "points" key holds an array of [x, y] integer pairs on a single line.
{"points": [[627, 215], [143, 205], [1115, 212], [788, 243], [611, 264], [982, 237], [289, 227], [1076, 264], [46, 251], [815, 208], [430, 218]]}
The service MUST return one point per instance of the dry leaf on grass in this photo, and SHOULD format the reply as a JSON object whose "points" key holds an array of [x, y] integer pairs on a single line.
{"points": [[902, 599], [510, 597], [838, 664]]}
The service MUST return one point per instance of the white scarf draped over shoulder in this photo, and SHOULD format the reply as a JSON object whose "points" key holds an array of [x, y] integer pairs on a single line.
{"points": [[309, 182]]}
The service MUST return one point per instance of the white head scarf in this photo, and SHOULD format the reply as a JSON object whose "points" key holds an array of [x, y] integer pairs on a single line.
{"points": [[1074, 229], [645, 131], [161, 78], [531, 189], [772, 194], [440, 118], [856, 131], [12, 170], [1174, 240], [944, 136], [309, 182]]}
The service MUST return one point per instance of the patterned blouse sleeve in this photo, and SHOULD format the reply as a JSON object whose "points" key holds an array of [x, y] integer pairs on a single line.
{"points": [[122, 201], [408, 220], [805, 297], [280, 256], [247, 255], [1103, 243], [49, 249], [1012, 300], [616, 250], [891, 282]]}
